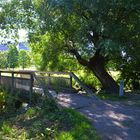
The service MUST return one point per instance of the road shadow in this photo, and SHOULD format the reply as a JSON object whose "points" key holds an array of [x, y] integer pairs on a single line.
{"points": [[112, 120]]}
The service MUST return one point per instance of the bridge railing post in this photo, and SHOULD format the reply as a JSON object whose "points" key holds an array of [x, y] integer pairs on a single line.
{"points": [[12, 84], [31, 87], [70, 82], [49, 80], [0, 77], [121, 89]]}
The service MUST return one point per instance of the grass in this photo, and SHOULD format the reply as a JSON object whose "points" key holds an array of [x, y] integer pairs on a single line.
{"points": [[112, 97], [45, 121]]}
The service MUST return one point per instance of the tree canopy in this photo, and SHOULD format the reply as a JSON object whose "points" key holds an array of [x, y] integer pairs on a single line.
{"points": [[24, 59]]}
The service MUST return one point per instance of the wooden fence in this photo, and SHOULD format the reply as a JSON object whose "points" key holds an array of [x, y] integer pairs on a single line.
{"points": [[28, 80], [59, 81], [17, 80], [22, 80]]}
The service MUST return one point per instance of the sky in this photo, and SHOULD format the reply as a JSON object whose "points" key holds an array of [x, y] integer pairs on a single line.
{"points": [[23, 36]]}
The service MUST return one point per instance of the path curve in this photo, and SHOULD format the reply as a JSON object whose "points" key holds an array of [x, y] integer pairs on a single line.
{"points": [[112, 120]]}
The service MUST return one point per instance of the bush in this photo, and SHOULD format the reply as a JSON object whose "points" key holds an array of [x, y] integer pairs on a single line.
{"points": [[89, 79], [6, 129], [2, 101]]}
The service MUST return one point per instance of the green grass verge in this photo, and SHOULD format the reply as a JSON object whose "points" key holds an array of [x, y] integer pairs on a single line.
{"points": [[112, 97], [46, 122]]}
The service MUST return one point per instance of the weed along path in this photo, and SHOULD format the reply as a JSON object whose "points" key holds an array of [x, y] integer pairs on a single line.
{"points": [[112, 120]]}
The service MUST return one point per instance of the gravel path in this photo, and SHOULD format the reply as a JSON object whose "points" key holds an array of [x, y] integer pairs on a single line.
{"points": [[112, 120]]}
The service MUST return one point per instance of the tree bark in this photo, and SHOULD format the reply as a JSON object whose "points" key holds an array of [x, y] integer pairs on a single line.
{"points": [[97, 65]]}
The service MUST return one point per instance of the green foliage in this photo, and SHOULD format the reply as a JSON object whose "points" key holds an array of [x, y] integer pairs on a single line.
{"points": [[128, 67], [6, 100], [49, 106], [6, 128], [76, 18], [81, 126], [106, 96], [88, 78], [12, 56], [48, 55], [130, 70], [31, 112], [24, 59], [46, 121], [2, 101], [64, 136], [114, 23], [3, 58]]}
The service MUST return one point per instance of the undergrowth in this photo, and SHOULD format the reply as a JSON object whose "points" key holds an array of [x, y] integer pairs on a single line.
{"points": [[45, 121]]}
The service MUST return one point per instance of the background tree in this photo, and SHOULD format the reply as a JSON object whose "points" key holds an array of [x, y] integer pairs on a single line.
{"points": [[12, 56], [24, 59], [3, 58], [130, 69], [48, 58]]}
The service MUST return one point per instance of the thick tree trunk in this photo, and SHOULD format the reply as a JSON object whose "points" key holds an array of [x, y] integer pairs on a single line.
{"points": [[97, 64]]}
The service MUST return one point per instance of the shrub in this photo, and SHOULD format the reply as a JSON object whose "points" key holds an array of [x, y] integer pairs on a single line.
{"points": [[2, 101], [6, 128]]}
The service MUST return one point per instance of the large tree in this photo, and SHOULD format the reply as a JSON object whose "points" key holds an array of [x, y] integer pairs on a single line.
{"points": [[93, 30]]}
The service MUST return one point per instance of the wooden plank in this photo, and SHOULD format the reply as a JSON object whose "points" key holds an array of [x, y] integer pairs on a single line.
{"points": [[16, 82], [49, 94], [51, 73], [31, 86], [12, 82], [0, 78], [70, 82], [14, 77], [82, 85], [53, 77], [17, 72], [6, 81]]}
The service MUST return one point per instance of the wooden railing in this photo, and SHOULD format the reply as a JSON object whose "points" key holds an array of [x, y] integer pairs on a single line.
{"points": [[60, 84], [59, 81], [17, 80], [27, 80], [88, 91]]}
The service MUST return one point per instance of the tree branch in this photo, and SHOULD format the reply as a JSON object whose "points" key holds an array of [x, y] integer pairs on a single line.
{"points": [[79, 58], [97, 58]]}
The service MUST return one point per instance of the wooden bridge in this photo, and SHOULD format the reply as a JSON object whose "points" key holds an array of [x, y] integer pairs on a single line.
{"points": [[33, 81]]}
